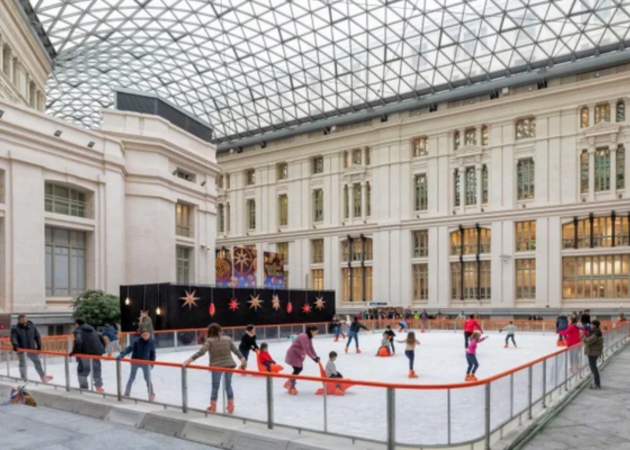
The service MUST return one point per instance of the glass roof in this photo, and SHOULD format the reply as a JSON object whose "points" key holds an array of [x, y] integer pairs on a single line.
{"points": [[252, 66]]}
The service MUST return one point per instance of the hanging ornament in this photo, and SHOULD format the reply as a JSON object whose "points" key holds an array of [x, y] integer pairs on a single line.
{"points": [[212, 309], [233, 305], [189, 300], [306, 309], [255, 303], [289, 307], [275, 302], [319, 303]]}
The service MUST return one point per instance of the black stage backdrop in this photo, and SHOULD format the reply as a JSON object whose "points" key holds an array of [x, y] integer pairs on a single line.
{"points": [[184, 306]]}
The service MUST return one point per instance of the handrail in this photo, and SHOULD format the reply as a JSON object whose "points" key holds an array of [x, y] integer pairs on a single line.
{"points": [[375, 384]]}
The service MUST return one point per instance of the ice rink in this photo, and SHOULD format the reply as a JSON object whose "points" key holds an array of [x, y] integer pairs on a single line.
{"points": [[421, 415]]}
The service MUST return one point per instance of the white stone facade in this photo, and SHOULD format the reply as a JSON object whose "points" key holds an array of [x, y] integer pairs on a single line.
{"points": [[556, 198]]}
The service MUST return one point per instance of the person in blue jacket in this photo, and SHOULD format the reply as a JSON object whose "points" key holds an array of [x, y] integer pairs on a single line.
{"points": [[142, 348], [562, 323], [113, 345]]}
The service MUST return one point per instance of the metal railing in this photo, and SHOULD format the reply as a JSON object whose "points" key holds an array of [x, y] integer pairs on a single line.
{"points": [[473, 413]]}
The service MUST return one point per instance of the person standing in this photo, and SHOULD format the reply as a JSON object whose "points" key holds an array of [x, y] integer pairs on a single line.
{"points": [[353, 333], [25, 335], [585, 319], [470, 325], [220, 349], [142, 348], [593, 349], [87, 341], [562, 323], [296, 354], [423, 320], [572, 334], [146, 324]]}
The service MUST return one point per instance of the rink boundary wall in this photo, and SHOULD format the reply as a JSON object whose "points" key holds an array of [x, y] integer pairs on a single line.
{"points": [[76, 400]]}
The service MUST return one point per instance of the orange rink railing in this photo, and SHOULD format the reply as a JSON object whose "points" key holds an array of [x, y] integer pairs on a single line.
{"points": [[403, 415]]}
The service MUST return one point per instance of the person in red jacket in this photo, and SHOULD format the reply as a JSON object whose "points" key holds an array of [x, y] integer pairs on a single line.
{"points": [[264, 357], [470, 325], [573, 338]]}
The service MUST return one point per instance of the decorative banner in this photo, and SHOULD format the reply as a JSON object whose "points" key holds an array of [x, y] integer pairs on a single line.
{"points": [[244, 267], [274, 270], [223, 268]]}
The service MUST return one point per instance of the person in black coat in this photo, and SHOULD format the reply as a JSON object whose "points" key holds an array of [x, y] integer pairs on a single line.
{"points": [[248, 341], [142, 348], [87, 341], [25, 335]]}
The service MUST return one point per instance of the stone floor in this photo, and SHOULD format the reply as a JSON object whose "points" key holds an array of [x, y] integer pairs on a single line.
{"points": [[596, 419], [27, 428]]}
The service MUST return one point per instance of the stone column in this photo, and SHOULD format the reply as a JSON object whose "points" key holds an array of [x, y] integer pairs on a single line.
{"points": [[591, 114], [613, 111], [1, 53], [591, 173], [478, 140]]}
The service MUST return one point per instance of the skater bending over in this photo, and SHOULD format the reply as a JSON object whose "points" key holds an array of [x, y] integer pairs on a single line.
{"points": [[410, 351], [471, 355], [296, 354]]}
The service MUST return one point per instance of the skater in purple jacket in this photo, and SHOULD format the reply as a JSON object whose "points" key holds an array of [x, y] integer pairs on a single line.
{"points": [[301, 347]]}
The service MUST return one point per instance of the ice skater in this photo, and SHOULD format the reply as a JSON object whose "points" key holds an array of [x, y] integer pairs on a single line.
{"points": [[353, 333], [562, 323], [385, 344], [470, 325], [471, 355], [511, 331], [142, 348], [264, 358], [403, 326], [296, 354], [390, 333], [332, 372], [248, 342], [423, 320], [410, 351], [336, 328], [572, 334]]}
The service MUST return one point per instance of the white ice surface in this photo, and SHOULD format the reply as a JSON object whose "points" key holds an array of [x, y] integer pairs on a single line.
{"points": [[421, 415]]}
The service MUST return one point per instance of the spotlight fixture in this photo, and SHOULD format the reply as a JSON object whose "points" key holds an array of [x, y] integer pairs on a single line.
{"points": [[158, 311], [203, 183], [127, 301], [263, 144], [58, 133], [91, 144], [326, 131], [433, 107], [1, 113], [384, 118]]}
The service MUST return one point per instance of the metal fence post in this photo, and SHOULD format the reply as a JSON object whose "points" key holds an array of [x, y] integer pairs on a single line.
{"points": [[91, 387], [66, 363], [270, 403], [487, 417], [8, 363], [544, 386], [448, 414], [69, 345], [184, 390], [175, 340], [118, 381], [529, 392], [566, 371], [391, 418], [325, 408]]}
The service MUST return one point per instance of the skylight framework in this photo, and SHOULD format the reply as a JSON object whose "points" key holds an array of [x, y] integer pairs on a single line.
{"points": [[255, 66]]}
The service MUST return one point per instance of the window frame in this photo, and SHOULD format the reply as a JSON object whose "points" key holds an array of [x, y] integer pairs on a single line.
{"points": [[421, 192], [318, 205], [72, 246], [184, 228], [76, 202], [283, 210], [526, 179]]}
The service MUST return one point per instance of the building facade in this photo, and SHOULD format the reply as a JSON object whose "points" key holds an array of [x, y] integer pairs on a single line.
{"points": [[131, 203], [519, 201]]}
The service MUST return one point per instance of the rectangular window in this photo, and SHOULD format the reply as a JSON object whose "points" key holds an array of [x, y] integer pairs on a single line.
{"points": [[525, 179], [64, 200], [183, 214], [456, 276], [621, 167], [356, 156], [318, 205], [283, 210], [283, 171], [65, 262], [346, 202], [283, 248], [526, 278], [420, 146], [221, 217], [602, 113], [422, 192], [602, 232], [484, 184], [456, 187], [476, 280], [622, 237], [223, 181], [356, 198], [420, 243], [526, 128], [251, 214], [183, 265], [471, 186], [318, 164], [470, 136], [485, 135], [621, 111], [184, 175], [317, 251], [368, 199], [318, 279], [346, 159], [420, 281], [584, 175], [250, 177], [227, 218], [526, 236], [602, 170], [591, 277], [353, 280]]}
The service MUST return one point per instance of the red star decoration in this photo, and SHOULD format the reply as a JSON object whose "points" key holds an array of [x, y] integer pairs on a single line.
{"points": [[233, 305], [212, 310], [306, 309], [255, 302], [275, 302], [319, 303]]}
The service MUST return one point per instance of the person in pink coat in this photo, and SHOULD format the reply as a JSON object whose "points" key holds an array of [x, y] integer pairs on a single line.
{"points": [[296, 354]]}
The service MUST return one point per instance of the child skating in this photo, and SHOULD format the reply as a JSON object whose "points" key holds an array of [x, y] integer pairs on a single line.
{"points": [[471, 355], [142, 348], [410, 351], [353, 333], [391, 335], [332, 372], [403, 326], [264, 358], [385, 346], [511, 331]]}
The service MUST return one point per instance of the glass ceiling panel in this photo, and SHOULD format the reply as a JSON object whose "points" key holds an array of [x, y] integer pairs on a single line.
{"points": [[253, 66]]}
